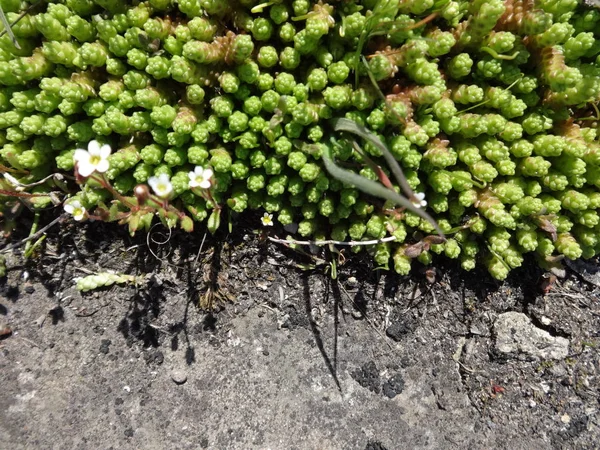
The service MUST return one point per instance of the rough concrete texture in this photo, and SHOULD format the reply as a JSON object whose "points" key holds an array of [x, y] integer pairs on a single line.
{"points": [[518, 337], [250, 386], [286, 359]]}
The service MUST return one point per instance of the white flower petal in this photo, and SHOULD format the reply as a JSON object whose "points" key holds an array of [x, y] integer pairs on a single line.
{"points": [[79, 216], [102, 166], [204, 184], [85, 169], [105, 151], [208, 173], [81, 155], [166, 189], [69, 208], [161, 185], [194, 180], [153, 182], [94, 148], [267, 220], [198, 170]]}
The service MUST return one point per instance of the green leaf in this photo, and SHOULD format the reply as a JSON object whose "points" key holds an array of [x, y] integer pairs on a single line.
{"points": [[134, 222], [214, 221], [187, 224], [369, 186]]}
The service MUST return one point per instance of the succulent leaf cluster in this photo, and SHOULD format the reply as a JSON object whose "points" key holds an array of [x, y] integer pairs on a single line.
{"points": [[490, 108]]}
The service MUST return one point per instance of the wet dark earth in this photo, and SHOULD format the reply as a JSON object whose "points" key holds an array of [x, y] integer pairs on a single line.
{"points": [[227, 344]]}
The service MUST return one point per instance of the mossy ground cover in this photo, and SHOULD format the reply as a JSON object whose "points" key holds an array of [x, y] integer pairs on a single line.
{"points": [[210, 108]]}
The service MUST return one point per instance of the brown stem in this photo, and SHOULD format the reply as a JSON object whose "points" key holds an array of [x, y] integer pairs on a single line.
{"points": [[106, 185]]}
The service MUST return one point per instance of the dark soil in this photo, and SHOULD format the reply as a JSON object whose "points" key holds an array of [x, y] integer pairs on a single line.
{"points": [[235, 347]]}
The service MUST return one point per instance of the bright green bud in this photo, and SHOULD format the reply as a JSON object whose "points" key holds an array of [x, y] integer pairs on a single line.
{"points": [[402, 263], [222, 106], [317, 79], [484, 171], [80, 29], [158, 67], [262, 29], [287, 31], [466, 94], [423, 71], [452, 249], [285, 83], [338, 72], [508, 192], [54, 126], [175, 157], [568, 246], [534, 166], [163, 116], [220, 160], [535, 122], [376, 227], [152, 154], [289, 58], [256, 181], [574, 201], [338, 97], [309, 171]]}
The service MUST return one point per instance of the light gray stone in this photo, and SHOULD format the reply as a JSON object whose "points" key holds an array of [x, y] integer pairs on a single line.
{"points": [[516, 336], [178, 376]]}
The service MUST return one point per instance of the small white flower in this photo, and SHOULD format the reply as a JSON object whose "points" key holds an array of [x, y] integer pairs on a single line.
{"points": [[94, 159], [420, 201], [76, 209], [201, 178], [267, 220], [161, 185]]}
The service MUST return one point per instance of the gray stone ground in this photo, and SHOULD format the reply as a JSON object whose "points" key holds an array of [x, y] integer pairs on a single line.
{"points": [[279, 369]]}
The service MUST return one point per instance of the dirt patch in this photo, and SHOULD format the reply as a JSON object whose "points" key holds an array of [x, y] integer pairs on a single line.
{"points": [[285, 358]]}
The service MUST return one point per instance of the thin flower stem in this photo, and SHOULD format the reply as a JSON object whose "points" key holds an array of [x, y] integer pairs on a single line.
{"points": [[33, 236], [106, 185], [34, 228]]}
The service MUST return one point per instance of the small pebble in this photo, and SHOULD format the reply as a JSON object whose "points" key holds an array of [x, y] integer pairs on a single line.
{"points": [[545, 320], [566, 419], [178, 376]]}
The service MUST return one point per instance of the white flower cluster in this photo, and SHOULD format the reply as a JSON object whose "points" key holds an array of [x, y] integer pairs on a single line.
{"points": [[419, 200]]}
